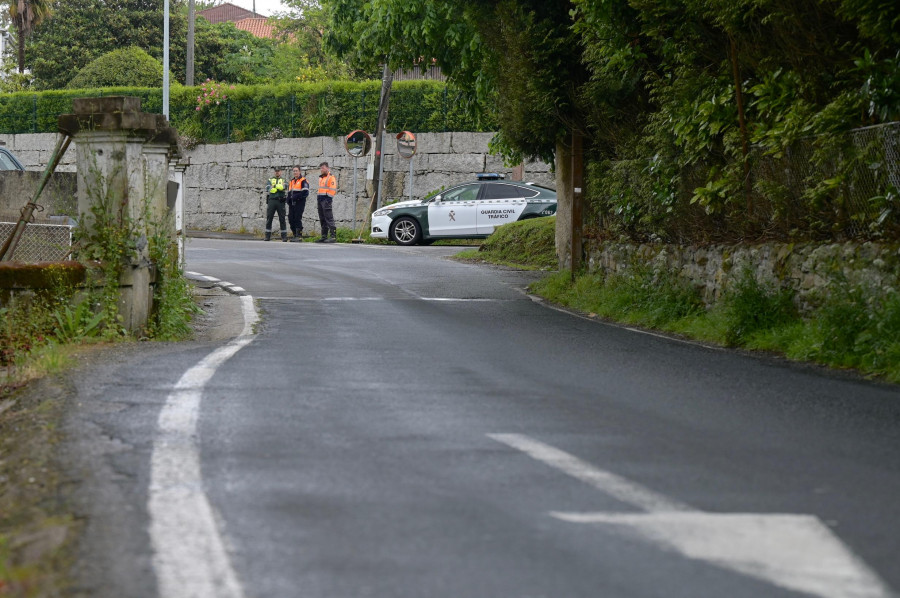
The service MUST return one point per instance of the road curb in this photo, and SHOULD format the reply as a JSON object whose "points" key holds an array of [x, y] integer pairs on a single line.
{"points": [[215, 282]]}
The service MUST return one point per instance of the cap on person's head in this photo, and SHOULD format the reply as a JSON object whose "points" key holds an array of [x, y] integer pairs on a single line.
{"points": [[323, 164]]}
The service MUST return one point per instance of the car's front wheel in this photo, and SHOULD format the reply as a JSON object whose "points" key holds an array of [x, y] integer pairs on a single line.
{"points": [[406, 231]]}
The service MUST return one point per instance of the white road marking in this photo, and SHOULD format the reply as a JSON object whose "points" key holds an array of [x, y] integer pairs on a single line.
{"points": [[411, 298], [190, 558], [795, 552], [607, 482]]}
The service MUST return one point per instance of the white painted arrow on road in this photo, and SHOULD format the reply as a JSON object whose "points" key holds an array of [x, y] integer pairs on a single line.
{"points": [[795, 552]]}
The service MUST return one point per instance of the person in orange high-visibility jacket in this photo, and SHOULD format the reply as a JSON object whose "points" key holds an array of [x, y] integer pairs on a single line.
{"points": [[298, 191], [325, 199]]}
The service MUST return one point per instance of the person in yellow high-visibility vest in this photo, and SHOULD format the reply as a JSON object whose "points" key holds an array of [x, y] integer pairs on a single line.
{"points": [[325, 199], [275, 203]]}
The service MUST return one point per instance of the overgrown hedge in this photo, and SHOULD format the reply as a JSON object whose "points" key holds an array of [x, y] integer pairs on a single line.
{"points": [[257, 111]]}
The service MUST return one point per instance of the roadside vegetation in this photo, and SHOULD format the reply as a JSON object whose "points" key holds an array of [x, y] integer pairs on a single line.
{"points": [[529, 245], [849, 327], [70, 308]]}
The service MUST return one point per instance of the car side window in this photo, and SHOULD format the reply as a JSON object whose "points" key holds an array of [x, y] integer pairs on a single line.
{"points": [[504, 191], [464, 193]]}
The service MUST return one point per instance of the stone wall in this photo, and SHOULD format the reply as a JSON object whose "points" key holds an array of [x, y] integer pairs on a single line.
{"points": [[34, 149], [225, 183], [58, 199], [805, 268]]}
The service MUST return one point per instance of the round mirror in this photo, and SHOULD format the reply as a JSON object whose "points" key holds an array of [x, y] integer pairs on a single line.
{"points": [[358, 144], [406, 144]]}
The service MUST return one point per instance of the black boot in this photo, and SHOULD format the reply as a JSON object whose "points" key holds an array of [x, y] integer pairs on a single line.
{"points": [[268, 236], [284, 236]]}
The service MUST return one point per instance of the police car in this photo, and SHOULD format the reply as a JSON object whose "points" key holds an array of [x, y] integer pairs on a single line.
{"points": [[467, 211]]}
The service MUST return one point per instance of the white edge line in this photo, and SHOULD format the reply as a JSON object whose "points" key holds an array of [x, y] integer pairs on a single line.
{"points": [[190, 556], [549, 305], [607, 482]]}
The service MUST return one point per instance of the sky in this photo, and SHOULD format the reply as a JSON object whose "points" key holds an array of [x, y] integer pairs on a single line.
{"points": [[263, 7]]}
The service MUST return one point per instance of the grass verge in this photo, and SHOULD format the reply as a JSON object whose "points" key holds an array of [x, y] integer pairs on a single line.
{"points": [[852, 327], [528, 245]]}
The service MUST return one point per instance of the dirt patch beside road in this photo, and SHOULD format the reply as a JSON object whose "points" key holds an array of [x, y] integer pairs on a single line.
{"points": [[46, 461]]}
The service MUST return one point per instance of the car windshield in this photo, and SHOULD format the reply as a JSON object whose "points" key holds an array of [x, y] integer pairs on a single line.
{"points": [[6, 162]]}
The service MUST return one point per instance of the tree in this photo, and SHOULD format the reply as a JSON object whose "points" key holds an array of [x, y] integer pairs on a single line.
{"points": [[302, 27], [26, 15], [518, 57], [83, 30], [128, 67], [192, 21]]}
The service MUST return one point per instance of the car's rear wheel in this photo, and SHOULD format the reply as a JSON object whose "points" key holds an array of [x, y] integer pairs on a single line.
{"points": [[406, 231]]}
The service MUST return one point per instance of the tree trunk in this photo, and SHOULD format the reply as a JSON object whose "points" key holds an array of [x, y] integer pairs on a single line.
{"points": [[20, 39], [564, 203], [189, 69]]}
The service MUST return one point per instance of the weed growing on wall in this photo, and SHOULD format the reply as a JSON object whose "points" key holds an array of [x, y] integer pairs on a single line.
{"points": [[107, 238], [172, 298]]}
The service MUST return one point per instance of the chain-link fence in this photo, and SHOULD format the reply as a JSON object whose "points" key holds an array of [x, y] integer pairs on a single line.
{"points": [[40, 242], [825, 188], [844, 186]]}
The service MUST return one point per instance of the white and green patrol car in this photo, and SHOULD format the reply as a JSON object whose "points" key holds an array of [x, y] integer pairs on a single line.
{"points": [[468, 211]]}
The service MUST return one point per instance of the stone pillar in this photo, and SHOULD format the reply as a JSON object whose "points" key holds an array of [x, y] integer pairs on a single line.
{"points": [[122, 157], [178, 170], [156, 157]]}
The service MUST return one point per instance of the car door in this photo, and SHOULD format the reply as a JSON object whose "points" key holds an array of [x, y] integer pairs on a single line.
{"points": [[454, 213], [500, 203]]}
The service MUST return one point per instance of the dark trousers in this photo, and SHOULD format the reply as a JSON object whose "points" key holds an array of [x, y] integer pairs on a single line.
{"points": [[272, 206], [326, 216], [295, 216]]}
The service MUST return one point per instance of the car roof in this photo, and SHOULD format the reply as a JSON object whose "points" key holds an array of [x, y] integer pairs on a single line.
{"points": [[528, 184]]}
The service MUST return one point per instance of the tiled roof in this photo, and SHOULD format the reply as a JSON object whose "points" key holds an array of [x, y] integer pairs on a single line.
{"points": [[225, 12], [260, 27]]}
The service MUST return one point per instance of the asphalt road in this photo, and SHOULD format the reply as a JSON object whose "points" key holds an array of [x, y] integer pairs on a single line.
{"points": [[403, 425]]}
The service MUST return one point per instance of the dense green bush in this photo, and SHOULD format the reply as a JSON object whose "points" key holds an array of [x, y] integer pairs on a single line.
{"points": [[128, 67], [530, 243], [751, 307], [256, 111]]}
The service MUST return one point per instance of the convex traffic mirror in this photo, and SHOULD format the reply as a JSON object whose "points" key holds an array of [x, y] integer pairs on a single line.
{"points": [[406, 145], [358, 143]]}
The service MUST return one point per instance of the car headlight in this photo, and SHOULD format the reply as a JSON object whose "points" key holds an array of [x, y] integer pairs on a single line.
{"points": [[382, 212]]}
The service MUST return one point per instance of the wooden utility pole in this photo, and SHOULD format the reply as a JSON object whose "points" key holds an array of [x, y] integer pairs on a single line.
{"points": [[189, 70], [386, 79], [742, 121], [577, 203]]}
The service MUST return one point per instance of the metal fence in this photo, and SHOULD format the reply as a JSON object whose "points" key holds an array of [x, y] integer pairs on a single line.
{"points": [[40, 242], [838, 187], [321, 111], [841, 186]]}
